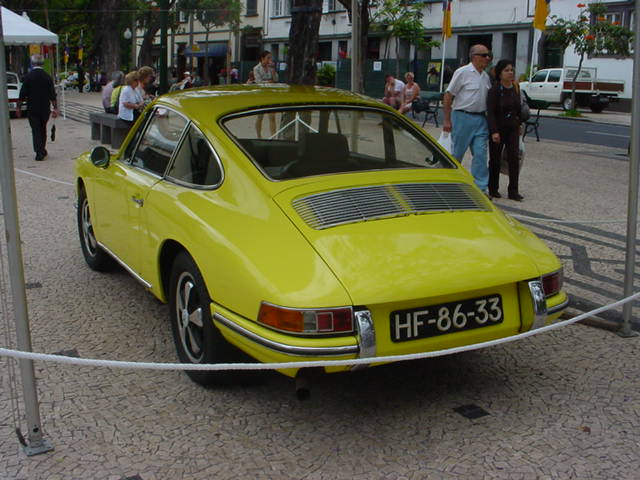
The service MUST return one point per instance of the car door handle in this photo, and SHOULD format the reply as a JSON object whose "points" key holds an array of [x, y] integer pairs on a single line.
{"points": [[137, 200]]}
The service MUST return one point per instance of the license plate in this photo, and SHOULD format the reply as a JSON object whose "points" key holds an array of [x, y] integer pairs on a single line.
{"points": [[446, 318]]}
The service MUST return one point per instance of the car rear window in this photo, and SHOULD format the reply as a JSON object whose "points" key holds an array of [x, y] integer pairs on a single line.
{"points": [[298, 142]]}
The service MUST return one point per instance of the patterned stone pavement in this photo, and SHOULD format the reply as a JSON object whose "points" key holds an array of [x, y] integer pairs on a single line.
{"points": [[559, 405]]}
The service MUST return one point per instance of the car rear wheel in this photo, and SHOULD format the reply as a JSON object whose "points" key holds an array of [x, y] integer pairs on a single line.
{"points": [[197, 339], [96, 257]]}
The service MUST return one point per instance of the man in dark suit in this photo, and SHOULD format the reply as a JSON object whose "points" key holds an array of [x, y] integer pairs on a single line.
{"points": [[40, 95]]}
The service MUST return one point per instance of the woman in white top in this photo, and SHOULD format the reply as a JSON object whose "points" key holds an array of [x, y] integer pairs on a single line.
{"points": [[411, 92], [130, 100]]}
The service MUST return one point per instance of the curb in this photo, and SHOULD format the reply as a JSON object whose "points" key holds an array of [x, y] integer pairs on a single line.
{"points": [[584, 119]]}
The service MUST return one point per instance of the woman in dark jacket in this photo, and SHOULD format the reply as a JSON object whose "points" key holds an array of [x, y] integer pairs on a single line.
{"points": [[503, 113]]}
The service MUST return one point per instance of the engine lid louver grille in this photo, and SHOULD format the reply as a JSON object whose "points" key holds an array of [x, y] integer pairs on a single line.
{"points": [[329, 209]]}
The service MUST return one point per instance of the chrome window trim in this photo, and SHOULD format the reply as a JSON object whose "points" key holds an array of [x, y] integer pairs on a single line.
{"points": [[126, 267], [306, 334], [285, 348], [182, 183], [539, 304], [173, 154], [342, 106]]}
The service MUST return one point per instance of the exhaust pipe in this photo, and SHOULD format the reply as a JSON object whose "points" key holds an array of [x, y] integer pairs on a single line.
{"points": [[303, 382]]}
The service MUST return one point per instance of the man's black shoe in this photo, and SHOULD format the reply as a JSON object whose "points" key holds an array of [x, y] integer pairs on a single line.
{"points": [[517, 197], [495, 194]]}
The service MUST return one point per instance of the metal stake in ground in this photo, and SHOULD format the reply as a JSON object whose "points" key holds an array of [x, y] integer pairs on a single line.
{"points": [[632, 202], [37, 444]]}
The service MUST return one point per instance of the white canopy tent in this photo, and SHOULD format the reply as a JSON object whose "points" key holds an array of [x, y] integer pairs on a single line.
{"points": [[17, 30]]}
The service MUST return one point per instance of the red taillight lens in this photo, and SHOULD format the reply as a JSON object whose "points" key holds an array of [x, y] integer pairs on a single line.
{"points": [[325, 320], [552, 283]]}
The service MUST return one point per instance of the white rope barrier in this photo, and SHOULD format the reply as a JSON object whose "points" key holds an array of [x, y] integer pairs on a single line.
{"points": [[89, 362]]}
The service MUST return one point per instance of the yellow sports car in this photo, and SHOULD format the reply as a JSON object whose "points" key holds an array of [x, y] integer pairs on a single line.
{"points": [[305, 223]]}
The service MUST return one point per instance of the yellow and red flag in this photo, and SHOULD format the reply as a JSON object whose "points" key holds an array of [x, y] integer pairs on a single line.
{"points": [[446, 18], [542, 12]]}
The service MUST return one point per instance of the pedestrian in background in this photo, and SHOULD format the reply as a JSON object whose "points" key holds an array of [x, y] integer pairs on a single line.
{"points": [[504, 116], [393, 91], [40, 94], [146, 76], [265, 72], [116, 81], [411, 93], [80, 77], [466, 95], [130, 100]]}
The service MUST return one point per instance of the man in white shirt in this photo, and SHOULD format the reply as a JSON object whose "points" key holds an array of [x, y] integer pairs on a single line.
{"points": [[393, 91], [466, 95]]}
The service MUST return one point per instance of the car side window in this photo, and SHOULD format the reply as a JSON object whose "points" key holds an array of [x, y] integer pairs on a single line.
{"points": [[540, 76], [195, 163], [159, 141], [554, 76]]}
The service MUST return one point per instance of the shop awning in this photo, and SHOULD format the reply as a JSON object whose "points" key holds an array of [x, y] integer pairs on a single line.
{"points": [[215, 50]]}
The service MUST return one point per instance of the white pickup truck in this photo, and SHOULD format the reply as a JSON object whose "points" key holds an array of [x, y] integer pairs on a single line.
{"points": [[554, 85]]}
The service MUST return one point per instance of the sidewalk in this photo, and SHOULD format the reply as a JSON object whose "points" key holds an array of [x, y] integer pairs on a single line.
{"points": [[613, 118]]}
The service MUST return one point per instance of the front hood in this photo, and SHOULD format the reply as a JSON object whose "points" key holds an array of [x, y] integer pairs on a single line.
{"points": [[418, 255]]}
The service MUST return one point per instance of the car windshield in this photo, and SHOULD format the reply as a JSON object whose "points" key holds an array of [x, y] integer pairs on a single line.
{"points": [[303, 141], [12, 78]]}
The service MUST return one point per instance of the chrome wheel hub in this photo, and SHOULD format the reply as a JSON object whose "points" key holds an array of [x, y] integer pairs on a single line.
{"points": [[90, 241], [189, 318]]}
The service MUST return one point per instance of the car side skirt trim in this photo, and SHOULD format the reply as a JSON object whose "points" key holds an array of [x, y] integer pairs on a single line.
{"points": [[126, 267], [284, 348]]}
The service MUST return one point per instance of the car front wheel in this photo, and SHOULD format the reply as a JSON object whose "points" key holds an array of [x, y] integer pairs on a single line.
{"points": [[94, 255], [197, 339]]}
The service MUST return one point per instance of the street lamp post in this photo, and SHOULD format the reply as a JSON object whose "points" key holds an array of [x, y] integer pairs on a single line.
{"points": [[164, 20]]}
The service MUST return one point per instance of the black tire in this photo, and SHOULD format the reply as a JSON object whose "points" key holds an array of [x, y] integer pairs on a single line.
{"points": [[197, 339], [96, 257], [596, 107]]}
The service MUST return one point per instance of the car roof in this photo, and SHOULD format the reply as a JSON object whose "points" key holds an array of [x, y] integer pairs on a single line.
{"points": [[221, 100]]}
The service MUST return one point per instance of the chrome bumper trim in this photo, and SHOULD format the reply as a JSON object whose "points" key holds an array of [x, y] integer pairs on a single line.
{"points": [[558, 307], [283, 347], [366, 336], [539, 304]]}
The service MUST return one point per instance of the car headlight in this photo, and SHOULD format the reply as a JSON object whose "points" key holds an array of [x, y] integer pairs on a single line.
{"points": [[306, 320], [552, 283]]}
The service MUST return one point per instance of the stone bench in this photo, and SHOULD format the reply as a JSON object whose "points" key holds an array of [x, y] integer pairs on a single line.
{"points": [[108, 128]]}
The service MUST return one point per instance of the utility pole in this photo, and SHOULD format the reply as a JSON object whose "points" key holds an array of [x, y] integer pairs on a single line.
{"points": [[164, 20], [37, 444], [632, 201], [356, 47]]}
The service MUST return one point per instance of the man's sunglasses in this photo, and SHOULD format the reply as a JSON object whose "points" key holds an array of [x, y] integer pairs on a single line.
{"points": [[485, 55]]}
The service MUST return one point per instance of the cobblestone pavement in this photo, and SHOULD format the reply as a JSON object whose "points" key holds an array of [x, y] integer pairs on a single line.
{"points": [[559, 405]]}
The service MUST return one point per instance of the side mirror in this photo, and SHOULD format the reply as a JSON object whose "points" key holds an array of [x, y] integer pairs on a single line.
{"points": [[100, 157]]}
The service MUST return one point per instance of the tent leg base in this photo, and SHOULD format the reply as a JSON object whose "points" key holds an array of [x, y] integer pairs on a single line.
{"points": [[41, 447]]}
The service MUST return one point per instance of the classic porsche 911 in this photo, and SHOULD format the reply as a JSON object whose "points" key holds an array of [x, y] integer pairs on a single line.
{"points": [[305, 223]]}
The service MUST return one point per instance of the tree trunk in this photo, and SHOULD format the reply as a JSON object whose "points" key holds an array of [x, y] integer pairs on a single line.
{"points": [[303, 41], [151, 25], [207, 77], [109, 36], [575, 80]]}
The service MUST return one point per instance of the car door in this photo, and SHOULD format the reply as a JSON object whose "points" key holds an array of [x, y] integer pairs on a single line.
{"points": [[552, 87], [134, 177], [536, 87]]}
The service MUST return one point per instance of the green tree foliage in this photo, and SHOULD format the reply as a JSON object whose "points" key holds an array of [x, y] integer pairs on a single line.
{"points": [[590, 34]]}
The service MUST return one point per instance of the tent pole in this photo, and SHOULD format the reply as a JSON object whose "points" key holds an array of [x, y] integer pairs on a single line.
{"points": [[632, 201], [37, 444]]}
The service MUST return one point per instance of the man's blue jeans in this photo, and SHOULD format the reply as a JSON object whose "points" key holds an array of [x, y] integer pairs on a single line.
{"points": [[469, 130]]}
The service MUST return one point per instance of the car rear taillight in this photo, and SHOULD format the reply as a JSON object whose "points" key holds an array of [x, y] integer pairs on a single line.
{"points": [[307, 321], [552, 283]]}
